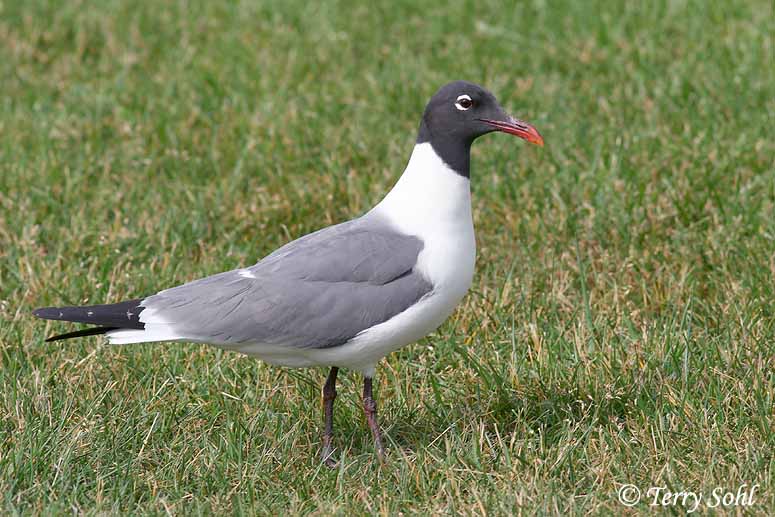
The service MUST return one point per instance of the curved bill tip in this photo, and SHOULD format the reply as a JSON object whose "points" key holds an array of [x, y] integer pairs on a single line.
{"points": [[518, 128]]}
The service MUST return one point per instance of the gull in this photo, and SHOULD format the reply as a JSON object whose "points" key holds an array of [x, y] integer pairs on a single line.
{"points": [[349, 294]]}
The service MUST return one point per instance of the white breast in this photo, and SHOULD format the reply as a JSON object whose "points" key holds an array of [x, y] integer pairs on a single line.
{"points": [[432, 202]]}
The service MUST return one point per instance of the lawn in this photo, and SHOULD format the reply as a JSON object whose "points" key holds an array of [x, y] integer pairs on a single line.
{"points": [[621, 325]]}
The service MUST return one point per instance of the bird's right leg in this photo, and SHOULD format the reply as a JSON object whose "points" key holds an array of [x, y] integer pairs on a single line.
{"points": [[370, 410], [329, 394]]}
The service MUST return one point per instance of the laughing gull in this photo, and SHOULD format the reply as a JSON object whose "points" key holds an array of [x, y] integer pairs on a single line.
{"points": [[349, 294]]}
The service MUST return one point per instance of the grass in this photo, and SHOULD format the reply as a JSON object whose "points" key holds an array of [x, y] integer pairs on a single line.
{"points": [[621, 324]]}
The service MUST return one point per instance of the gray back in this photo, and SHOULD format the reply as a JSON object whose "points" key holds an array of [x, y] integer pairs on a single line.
{"points": [[318, 291]]}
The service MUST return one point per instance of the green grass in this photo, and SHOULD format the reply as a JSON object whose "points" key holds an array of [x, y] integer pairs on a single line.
{"points": [[621, 326]]}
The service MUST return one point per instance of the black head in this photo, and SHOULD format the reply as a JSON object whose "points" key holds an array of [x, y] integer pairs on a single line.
{"points": [[458, 114]]}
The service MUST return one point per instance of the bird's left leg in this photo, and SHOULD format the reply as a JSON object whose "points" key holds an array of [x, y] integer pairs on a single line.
{"points": [[329, 394]]}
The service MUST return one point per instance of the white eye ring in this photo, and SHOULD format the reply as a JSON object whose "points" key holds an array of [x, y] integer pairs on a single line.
{"points": [[463, 102]]}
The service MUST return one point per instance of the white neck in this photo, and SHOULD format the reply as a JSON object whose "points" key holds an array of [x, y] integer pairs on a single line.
{"points": [[428, 198]]}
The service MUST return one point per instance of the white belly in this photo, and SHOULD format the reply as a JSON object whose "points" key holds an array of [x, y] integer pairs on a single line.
{"points": [[450, 285], [363, 351]]}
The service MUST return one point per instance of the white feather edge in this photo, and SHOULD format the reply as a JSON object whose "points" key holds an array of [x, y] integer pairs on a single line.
{"points": [[156, 329]]}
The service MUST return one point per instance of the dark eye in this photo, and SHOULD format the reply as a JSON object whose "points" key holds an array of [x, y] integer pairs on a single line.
{"points": [[463, 102]]}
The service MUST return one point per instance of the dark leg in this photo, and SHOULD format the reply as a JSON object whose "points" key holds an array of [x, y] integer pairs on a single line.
{"points": [[329, 394], [370, 409]]}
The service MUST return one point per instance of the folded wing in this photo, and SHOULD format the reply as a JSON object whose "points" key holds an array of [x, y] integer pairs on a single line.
{"points": [[316, 292]]}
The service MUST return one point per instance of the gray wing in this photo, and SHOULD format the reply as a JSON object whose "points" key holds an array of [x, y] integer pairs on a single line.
{"points": [[316, 292]]}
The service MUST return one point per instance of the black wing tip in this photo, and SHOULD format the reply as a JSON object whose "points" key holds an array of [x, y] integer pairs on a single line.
{"points": [[124, 314], [107, 317], [93, 331], [46, 313]]}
